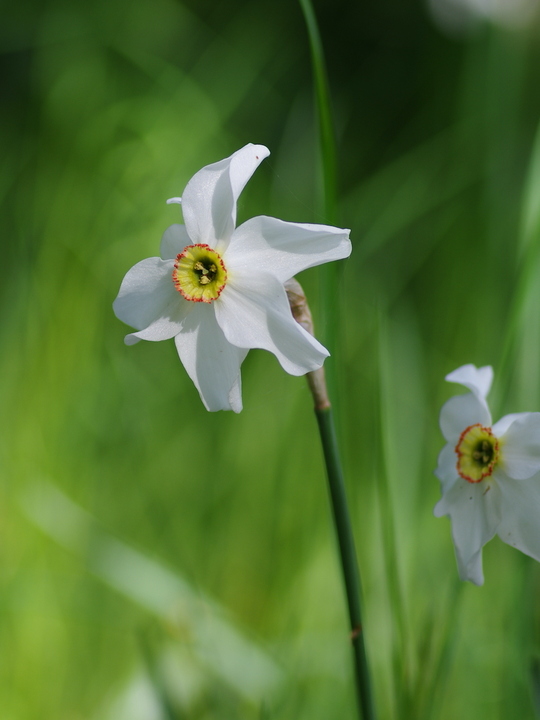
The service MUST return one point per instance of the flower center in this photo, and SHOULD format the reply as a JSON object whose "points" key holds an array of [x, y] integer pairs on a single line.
{"points": [[199, 273], [478, 453]]}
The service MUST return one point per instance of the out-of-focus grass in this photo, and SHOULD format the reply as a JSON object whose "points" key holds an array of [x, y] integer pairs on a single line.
{"points": [[109, 109]]}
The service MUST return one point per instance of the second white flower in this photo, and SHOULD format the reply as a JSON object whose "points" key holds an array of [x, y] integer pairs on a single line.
{"points": [[489, 473]]}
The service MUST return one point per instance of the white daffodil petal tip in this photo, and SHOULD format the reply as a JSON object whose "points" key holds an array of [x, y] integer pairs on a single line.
{"points": [[218, 290], [489, 474], [209, 199], [477, 380], [287, 247]]}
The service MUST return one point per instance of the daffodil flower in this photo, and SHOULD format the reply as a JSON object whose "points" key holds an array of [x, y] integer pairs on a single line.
{"points": [[490, 474], [218, 289]]}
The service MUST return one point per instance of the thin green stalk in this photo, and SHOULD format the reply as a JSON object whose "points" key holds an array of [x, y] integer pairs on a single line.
{"points": [[328, 273], [439, 654], [327, 142], [323, 412], [347, 553], [527, 273], [340, 510], [402, 663]]}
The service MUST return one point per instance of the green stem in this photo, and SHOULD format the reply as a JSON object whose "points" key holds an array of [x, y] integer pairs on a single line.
{"points": [[328, 273], [349, 562], [401, 647], [327, 142], [323, 412], [525, 283]]}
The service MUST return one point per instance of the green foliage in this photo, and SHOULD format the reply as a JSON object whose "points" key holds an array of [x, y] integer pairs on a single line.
{"points": [[161, 562]]}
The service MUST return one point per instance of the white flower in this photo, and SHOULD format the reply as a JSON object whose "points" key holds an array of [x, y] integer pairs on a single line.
{"points": [[490, 474], [218, 290]]}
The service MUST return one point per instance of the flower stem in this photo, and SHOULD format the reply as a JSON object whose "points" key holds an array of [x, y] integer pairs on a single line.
{"points": [[347, 552], [327, 142], [329, 273], [340, 510]]}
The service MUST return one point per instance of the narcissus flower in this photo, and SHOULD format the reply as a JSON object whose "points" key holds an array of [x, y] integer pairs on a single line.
{"points": [[490, 474], [218, 289]]}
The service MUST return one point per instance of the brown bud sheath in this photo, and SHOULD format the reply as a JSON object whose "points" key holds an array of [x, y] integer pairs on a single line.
{"points": [[302, 315]]}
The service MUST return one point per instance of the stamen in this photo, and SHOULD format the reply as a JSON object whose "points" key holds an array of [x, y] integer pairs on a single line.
{"points": [[199, 273]]}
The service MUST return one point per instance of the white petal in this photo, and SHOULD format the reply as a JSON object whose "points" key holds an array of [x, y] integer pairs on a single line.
{"points": [[475, 514], [520, 526], [166, 326], [477, 380], [502, 425], [235, 394], [209, 200], [520, 447], [460, 412], [254, 312], [174, 240], [210, 360], [146, 292], [285, 248], [446, 467]]}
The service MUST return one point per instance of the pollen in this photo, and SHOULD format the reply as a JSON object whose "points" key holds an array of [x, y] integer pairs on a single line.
{"points": [[199, 273], [477, 452]]}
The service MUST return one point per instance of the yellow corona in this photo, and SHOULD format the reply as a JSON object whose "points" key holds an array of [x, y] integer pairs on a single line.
{"points": [[199, 273], [478, 453]]}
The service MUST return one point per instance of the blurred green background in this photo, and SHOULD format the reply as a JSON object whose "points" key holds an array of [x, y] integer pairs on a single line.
{"points": [[160, 562]]}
